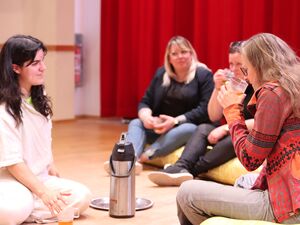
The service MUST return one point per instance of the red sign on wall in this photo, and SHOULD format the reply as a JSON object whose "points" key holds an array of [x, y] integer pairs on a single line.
{"points": [[78, 60]]}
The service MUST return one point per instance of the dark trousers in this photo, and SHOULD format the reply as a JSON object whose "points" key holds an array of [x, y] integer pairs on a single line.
{"points": [[197, 159]]}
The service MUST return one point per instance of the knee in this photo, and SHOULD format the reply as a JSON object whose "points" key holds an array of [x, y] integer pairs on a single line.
{"points": [[184, 130], [190, 190], [204, 129], [83, 197], [135, 123], [184, 191], [13, 213], [188, 127], [16, 203]]}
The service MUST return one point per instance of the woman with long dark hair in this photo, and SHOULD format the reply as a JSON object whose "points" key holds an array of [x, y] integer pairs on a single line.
{"points": [[30, 187]]}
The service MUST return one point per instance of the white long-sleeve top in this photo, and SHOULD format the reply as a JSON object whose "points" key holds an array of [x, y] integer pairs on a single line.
{"points": [[29, 143]]}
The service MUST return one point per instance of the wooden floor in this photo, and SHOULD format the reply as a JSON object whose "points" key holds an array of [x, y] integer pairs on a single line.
{"points": [[80, 148]]}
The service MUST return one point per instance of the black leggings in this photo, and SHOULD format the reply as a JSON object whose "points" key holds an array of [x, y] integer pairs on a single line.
{"points": [[195, 157]]}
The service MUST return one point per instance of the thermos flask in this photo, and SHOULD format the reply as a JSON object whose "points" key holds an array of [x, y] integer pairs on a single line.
{"points": [[122, 179]]}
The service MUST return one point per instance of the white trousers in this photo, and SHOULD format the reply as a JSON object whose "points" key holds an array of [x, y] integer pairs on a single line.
{"points": [[18, 204]]}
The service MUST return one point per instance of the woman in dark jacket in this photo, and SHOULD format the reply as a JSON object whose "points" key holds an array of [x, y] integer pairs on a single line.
{"points": [[174, 103]]}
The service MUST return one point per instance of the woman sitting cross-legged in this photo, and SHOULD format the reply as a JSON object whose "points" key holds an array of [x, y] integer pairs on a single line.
{"points": [[31, 189], [195, 158], [273, 69], [173, 105]]}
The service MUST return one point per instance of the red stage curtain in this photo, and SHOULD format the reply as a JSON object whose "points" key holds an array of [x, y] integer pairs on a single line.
{"points": [[134, 34]]}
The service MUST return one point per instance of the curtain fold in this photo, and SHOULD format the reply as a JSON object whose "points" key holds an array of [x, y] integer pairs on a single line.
{"points": [[134, 34]]}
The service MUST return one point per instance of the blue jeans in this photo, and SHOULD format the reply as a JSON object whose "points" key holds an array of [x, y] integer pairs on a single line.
{"points": [[160, 144]]}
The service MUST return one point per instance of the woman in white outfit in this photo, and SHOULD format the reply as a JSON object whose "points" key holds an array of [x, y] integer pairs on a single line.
{"points": [[30, 187]]}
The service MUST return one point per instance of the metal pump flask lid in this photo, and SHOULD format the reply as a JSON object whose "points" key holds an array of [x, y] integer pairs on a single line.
{"points": [[123, 152]]}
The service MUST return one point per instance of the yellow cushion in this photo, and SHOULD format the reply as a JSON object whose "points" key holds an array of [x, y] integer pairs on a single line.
{"points": [[168, 159], [226, 173], [227, 221]]}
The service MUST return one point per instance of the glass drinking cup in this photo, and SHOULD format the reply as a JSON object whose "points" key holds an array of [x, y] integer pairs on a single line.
{"points": [[237, 85], [67, 215]]}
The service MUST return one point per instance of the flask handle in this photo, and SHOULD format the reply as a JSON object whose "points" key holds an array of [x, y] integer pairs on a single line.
{"points": [[112, 170], [122, 141]]}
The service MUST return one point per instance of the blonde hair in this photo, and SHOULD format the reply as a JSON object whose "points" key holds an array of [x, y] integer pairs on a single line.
{"points": [[274, 60], [184, 44]]}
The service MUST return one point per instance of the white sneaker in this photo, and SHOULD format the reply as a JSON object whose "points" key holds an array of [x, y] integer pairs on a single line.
{"points": [[169, 179], [167, 165], [138, 167]]}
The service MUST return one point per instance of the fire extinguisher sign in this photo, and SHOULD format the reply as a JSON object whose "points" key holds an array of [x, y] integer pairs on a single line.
{"points": [[78, 60]]}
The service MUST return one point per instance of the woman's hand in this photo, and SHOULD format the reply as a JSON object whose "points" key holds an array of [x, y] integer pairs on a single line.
{"points": [[217, 134], [220, 78], [53, 171], [54, 200], [227, 98], [148, 122], [145, 115], [167, 123]]}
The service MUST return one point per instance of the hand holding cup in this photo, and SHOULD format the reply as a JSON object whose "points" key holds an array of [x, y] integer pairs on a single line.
{"points": [[226, 97], [221, 76]]}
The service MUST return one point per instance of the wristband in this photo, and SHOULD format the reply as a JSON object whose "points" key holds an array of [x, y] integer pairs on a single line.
{"points": [[176, 122], [226, 128]]}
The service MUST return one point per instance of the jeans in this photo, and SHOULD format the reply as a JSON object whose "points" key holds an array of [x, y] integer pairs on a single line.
{"points": [[198, 200], [160, 144], [195, 157]]}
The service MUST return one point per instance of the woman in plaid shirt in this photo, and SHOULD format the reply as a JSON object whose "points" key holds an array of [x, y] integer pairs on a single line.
{"points": [[273, 69]]}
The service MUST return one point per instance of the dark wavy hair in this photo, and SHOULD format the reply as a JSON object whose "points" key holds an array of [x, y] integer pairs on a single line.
{"points": [[235, 47], [17, 50]]}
